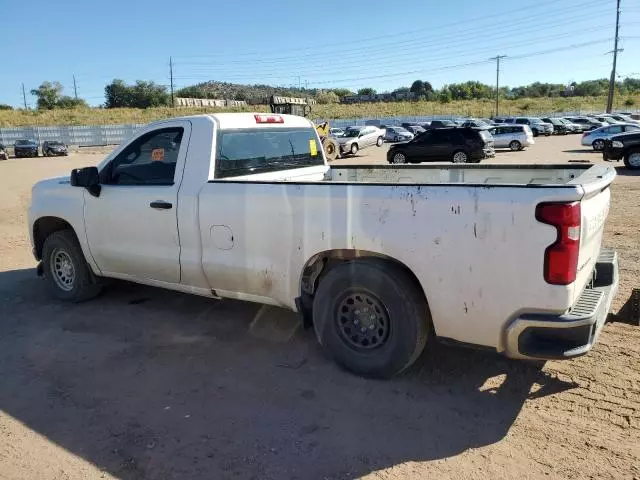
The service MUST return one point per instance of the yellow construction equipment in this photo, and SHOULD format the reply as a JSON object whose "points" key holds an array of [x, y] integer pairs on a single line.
{"points": [[302, 108]]}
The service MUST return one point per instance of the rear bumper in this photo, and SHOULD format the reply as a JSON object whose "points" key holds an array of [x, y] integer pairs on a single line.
{"points": [[547, 337]]}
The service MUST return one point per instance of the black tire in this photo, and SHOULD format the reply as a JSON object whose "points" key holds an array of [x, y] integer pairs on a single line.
{"points": [[632, 160], [394, 296], [598, 144], [535, 132], [515, 145], [399, 158], [85, 285], [354, 149], [379, 142], [331, 148], [455, 156]]}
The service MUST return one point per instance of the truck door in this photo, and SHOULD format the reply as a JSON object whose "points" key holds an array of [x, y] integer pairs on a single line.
{"points": [[132, 226]]}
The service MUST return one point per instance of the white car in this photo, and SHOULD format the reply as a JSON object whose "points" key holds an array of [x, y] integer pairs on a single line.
{"points": [[398, 134], [595, 138], [336, 132], [514, 137], [381, 259], [355, 139]]}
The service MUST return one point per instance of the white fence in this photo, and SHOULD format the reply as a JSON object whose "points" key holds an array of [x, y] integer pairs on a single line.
{"points": [[85, 136]]}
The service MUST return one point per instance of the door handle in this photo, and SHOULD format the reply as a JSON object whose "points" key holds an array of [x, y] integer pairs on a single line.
{"points": [[161, 205]]}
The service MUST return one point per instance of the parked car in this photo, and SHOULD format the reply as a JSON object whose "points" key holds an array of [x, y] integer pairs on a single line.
{"points": [[620, 117], [25, 148], [514, 137], [453, 144], [415, 129], [537, 126], [381, 261], [606, 119], [571, 127], [489, 121], [623, 147], [586, 122], [500, 120], [397, 134], [336, 132], [53, 147], [476, 123], [595, 138], [355, 139], [442, 123], [559, 127], [4, 155]]}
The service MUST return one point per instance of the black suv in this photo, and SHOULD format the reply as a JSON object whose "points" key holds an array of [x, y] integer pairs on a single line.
{"points": [[625, 146], [456, 144], [25, 148], [53, 147]]}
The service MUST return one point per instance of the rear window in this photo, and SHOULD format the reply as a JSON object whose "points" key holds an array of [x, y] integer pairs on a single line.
{"points": [[245, 152]]}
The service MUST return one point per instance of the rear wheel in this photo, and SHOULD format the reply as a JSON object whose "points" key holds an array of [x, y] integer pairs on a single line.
{"points": [[460, 157], [598, 145], [354, 149], [371, 317], [515, 145], [535, 132], [632, 160], [379, 142]]}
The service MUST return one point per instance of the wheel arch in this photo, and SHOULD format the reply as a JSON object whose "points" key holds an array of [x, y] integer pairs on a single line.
{"points": [[45, 226], [321, 263]]}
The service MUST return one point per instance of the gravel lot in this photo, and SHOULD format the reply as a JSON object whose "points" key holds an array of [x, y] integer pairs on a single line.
{"points": [[144, 383]]}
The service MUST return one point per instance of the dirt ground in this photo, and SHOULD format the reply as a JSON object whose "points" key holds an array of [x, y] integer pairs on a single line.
{"points": [[145, 383]]}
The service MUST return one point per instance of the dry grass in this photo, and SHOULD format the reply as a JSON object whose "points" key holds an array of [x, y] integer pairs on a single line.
{"points": [[475, 108]]}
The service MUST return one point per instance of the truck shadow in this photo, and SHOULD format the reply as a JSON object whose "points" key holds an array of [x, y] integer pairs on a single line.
{"points": [[147, 383]]}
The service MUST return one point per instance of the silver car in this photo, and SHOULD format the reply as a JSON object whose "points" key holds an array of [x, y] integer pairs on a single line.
{"points": [[336, 132], [595, 138], [357, 138], [398, 134], [514, 137]]}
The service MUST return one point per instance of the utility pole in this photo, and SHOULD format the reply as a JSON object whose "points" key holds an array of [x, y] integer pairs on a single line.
{"points": [[612, 81], [171, 78], [497, 59], [299, 84], [24, 97], [75, 88]]}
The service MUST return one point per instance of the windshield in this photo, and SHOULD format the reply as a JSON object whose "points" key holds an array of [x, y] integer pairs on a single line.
{"points": [[55, 143], [401, 130], [351, 132], [25, 142], [244, 152]]}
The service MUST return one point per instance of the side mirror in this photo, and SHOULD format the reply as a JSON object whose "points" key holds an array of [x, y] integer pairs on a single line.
{"points": [[88, 178]]}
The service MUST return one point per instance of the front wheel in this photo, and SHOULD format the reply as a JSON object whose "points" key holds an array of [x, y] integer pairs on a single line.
{"points": [[371, 317], [632, 160], [460, 157], [379, 142], [354, 149], [69, 276], [399, 158], [515, 145], [598, 145]]}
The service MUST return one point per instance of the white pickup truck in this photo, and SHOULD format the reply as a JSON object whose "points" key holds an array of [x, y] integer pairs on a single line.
{"points": [[379, 258]]}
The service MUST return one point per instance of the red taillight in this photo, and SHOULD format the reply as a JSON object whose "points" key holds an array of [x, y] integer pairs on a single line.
{"points": [[561, 257], [269, 119]]}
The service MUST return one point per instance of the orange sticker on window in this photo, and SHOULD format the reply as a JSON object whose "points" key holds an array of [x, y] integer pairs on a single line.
{"points": [[313, 148], [157, 154]]}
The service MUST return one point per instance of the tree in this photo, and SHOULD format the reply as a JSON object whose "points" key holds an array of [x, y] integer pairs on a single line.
{"points": [[48, 95], [367, 91], [327, 97], [417, 88], [5, 107], [342, 92], [66, 101], [140, 95]]}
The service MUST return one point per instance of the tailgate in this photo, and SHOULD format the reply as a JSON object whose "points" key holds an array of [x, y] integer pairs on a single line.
{"points": [[594, 208]]}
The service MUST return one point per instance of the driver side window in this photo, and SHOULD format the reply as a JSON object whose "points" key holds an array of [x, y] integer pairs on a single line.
{"points": [[149, 160]]}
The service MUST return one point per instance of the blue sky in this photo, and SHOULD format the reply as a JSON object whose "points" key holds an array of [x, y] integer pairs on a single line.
{"points": [[373, 43]]}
